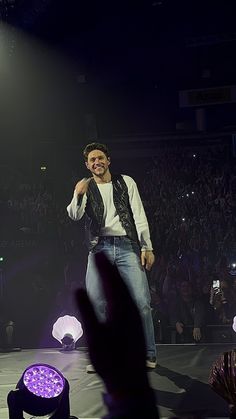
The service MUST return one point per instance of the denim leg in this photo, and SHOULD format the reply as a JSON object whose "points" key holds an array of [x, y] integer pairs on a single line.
{"points": [[126, 256], [94, 288], [129, 265]]}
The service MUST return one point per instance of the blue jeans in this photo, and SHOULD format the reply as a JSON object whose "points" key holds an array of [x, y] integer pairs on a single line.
{"points": [[125, 254]]}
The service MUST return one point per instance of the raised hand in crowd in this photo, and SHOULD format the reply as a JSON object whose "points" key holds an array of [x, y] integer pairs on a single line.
{"points": [[117, 347]]}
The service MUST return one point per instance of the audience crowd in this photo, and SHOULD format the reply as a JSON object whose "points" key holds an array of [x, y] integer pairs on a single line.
{"points": [[190, 202]]}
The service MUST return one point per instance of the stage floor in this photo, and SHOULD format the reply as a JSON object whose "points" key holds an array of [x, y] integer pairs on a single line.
{"points": [[180, 380]]}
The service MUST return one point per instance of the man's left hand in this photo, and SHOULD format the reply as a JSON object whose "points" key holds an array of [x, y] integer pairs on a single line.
{"points": [[147, 259]]}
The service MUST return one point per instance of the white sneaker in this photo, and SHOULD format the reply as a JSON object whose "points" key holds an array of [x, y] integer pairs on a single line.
{"points": [[90, 369], [151, 362]]}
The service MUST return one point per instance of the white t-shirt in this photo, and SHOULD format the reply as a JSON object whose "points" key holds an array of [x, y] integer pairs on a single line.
{"points": [[111, 225]]}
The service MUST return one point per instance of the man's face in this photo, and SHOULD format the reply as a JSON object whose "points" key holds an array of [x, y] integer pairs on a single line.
{"points": [[97, 162]]}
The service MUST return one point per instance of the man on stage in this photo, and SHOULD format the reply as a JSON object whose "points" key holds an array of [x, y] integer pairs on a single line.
{"points": [[115, 224]]}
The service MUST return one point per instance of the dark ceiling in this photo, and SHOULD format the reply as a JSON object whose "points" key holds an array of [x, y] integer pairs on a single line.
{"points": [[114, 38], [128, 62]]}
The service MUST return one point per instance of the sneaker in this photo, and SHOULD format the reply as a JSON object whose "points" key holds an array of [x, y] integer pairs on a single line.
{"points": [[151, 362], [90, 369]]}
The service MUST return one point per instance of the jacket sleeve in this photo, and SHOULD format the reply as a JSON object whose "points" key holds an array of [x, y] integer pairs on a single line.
{"points": [[76, 208], [199, 314], [174, 312], [139, 215]]}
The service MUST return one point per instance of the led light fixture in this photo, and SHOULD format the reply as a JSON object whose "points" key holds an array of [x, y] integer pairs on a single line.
{"points": [[41, 391]]}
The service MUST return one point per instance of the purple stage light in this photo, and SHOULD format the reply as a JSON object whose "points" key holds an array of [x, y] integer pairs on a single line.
{"points": [[41, 391], [44, 381]]}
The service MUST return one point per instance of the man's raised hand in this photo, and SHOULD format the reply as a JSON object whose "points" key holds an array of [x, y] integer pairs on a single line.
{"points": [[81, 187]]}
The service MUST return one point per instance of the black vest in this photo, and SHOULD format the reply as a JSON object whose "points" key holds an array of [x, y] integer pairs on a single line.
{"points": [[94, 211]]}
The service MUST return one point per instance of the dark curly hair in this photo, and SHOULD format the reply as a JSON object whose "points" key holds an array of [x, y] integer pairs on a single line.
{"points": [[95, 146]]}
